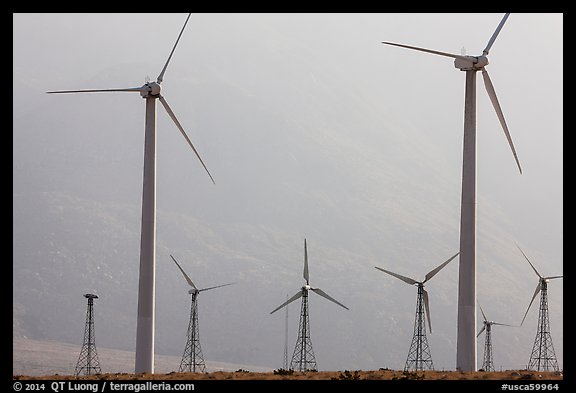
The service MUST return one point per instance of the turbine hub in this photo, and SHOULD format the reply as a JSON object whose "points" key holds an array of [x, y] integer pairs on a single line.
{"points": [[150, 89], [307, 287]]}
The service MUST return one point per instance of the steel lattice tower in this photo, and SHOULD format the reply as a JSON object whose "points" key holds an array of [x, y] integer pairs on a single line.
{"points": [[488, 363], [303, 358], [192, 359], [419, 357], [88, 363], [543, 357]]}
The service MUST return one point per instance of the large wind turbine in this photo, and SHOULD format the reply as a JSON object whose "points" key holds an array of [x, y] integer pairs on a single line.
{"points": [[419, 357], [192, 358], [303, 356], [146, 287], [466, 340]]}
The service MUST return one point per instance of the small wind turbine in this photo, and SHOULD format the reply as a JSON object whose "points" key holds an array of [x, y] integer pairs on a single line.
{"points": [[466, 340], [303, 356], [146, 287], [488, 363], [192, 357], [543, 357], [419, 357]]}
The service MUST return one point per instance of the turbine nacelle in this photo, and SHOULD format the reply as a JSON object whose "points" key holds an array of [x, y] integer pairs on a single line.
{"points": [[466, 63], [306, 287], [150, 89]]}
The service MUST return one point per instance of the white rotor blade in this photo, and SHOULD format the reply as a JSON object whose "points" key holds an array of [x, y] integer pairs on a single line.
{"points": [[553, 277], [94, 90], [324, 294], [535, 293], [306, 273], [536, 271], [480, 332], [493, 38], [503, 324], [405, 279], [427, 308], [432, 273], [184, 273], [299, 294], [159, 80], [431, 51], [173, 116], [482, 311], [217, 286], [496, 105]]}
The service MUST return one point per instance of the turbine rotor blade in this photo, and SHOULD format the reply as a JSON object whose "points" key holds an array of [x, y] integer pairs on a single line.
{"points": [[407, 280], [94, 90], [324, 294], [503, 324], [173, 116], [159, 80], [496, 105], [427, 308], [493, 38], [299, 294], [184, 273], [480, 332], [432, 51], [538, 287], [536, 271], [306, 273], [217, 286], [552, 277], [484, 315], [432, 273]]}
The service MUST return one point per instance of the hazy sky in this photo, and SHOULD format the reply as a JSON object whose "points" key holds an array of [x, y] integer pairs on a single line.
{"points": [[60, 51], [417, 91]]}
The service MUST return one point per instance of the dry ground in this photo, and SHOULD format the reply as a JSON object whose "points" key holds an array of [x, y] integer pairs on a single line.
{"points": [[321, 375]]}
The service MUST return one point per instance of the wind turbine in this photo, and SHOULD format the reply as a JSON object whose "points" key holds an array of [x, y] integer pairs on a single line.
{"points": [[146, 287], [419, 356], [466, 340], [303, 356], [192, 357], [543, 357], [488, 363]]}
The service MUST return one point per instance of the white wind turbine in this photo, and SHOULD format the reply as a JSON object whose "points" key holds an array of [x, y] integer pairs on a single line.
{"points": [[303, 358], [146, 304], [419, 357], [192, 357], [466, 340], [488, 363], [543, 357]]}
